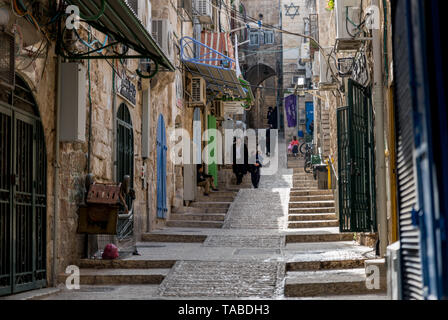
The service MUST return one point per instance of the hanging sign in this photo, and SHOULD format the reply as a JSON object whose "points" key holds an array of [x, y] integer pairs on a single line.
{"points": [[233, 107], [127, 89]]}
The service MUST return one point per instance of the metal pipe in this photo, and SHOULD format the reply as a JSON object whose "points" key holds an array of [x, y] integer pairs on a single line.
{"points": [[378, 102], [56, 172]]}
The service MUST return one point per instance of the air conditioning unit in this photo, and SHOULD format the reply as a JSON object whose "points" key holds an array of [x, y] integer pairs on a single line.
{"points": [[162, 32], [198, 90], [203, 10], [325, 73], [393, 271], [7, 60], [347, 21]]}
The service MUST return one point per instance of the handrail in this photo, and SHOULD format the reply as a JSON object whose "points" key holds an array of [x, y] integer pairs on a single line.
{"points": [[330, 160]]}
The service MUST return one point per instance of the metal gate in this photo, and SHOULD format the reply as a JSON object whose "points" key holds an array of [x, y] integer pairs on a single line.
{"points": [[22, 193], [125, 163], [357, 209]]}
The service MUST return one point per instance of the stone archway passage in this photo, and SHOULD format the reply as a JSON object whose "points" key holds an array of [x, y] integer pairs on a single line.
{"points": [[23, 192], [259, 73]]}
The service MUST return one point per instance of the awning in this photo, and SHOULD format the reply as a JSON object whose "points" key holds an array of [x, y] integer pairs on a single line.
{"points": [[214, 61], [120, 22]]}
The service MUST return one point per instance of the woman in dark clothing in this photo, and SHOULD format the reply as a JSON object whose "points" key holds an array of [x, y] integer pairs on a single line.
{"points": [[255, 167], [239, 163]]}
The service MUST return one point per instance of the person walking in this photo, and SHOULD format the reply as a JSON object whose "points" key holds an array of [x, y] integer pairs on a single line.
{"points": [[268, 141], [240, 160], [294, 146], [255, 168]]}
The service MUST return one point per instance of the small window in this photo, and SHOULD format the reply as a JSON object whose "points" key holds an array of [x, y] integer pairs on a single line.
{"points": [[268, 37], [254, 38]]}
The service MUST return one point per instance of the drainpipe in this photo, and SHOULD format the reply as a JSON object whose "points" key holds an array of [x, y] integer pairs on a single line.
{"points": [[378, 102], [56, 173], [114, 125]]}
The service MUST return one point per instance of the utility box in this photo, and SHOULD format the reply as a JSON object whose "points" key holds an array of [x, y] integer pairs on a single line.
{"points": [[322, 177], [72, 115]]}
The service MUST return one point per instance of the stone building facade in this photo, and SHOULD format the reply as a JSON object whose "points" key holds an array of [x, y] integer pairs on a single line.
{"points": [[146, 101], [261, 57]]}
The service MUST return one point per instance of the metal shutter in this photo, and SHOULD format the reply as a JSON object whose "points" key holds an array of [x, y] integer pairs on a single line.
{"points": [[412, 280]]}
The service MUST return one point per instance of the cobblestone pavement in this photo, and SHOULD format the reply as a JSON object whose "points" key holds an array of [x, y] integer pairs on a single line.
{"points": [[245, 259], [248, 275], [222, 279]]}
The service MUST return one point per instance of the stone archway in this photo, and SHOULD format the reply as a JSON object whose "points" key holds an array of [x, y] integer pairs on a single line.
{"points": [[257, 74]]}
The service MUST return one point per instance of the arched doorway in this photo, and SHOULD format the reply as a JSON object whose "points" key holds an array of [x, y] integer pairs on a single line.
{"points": [[125, 163], [161, 169], [23, 192]]}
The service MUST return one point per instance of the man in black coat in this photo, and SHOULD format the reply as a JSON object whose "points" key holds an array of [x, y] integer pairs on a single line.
{"points": [[255, 168], [240, 164]]}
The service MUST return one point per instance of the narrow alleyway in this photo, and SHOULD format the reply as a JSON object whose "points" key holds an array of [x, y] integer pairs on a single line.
{"points": [[278, 242]]}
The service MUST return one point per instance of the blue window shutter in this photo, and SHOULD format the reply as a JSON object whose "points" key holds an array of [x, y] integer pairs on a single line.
{"points": [[161, 169]]}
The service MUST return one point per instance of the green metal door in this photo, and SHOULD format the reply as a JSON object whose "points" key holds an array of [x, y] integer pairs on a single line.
{"points": [[213, 156], [357, 210], [125, 164], [22, 194]]}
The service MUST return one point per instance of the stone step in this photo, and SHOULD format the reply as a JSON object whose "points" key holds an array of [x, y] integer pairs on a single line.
{"points": [[312, 217], [324, 265], [224, 193], [313, 224], [312, 198], [161, 237], [198, 217], [311, 204], [119, 276], [305, 182], [327, 283], [125, 264], [304, 178], [194, 224], [319, 237], [306, 188], [183, 210], [312, 210], [299, 193], [209, 205], [214, 199]]}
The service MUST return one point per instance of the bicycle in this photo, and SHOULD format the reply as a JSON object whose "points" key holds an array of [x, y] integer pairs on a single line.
{"points": [[309, 150]]}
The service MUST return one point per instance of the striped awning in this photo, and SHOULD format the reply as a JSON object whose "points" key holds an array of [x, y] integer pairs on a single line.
{"points": [[220, 42], [213, 58]]}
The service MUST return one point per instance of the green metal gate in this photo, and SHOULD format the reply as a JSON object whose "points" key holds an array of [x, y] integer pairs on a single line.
{"points": [[125, 163], [357, 209], [22, 193]]}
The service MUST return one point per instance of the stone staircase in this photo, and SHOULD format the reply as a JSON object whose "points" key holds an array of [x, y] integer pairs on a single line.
{"points": [[121, 272], [313, 211], [207, 212]]}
